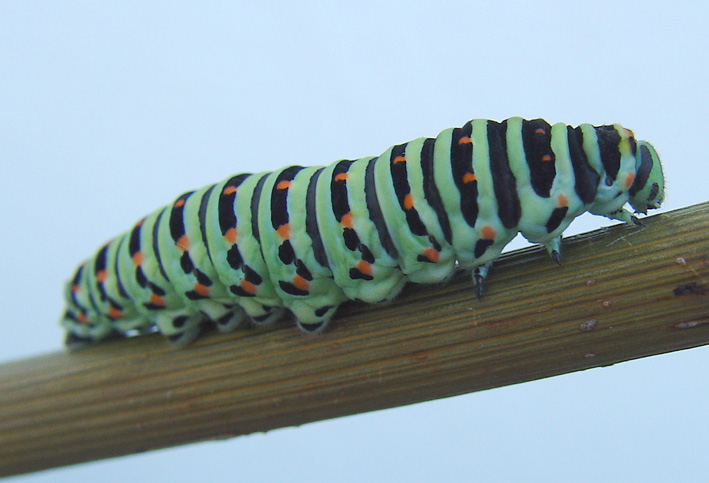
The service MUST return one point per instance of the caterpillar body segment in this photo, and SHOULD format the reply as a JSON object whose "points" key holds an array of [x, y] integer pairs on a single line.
{"points": [[305, 239]]}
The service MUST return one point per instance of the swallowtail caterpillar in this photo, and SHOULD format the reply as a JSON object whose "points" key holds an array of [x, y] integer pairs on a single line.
{"points": [[305, 239]]}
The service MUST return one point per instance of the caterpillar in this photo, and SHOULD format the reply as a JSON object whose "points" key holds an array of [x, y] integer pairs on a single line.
{"points": [[305, 239]]}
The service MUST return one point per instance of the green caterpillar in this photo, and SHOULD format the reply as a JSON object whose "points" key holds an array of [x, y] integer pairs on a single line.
{"points": [[307, 239]]}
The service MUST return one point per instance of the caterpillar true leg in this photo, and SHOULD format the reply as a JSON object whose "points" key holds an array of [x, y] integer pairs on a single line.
{"points": [[479, 274], [553, 246]]}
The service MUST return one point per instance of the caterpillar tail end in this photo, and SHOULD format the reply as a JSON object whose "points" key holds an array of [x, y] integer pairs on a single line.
{"points": [[75, 342]]}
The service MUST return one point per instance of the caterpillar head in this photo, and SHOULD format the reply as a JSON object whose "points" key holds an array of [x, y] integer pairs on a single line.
{"points": [[648, 189]]}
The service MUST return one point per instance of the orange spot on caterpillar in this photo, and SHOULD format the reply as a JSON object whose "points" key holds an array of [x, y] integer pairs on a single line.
{"points": [[465, 140], [179, 203], [364, 267], [140, 222], [300, 283], [115, 313], [347, 220], [540, 131], [408, 201], [432, 254], [284, 231], [155, 299], [629, 180], [546, 158], [101, 276], [75, 288], [138, 259], [283, 185], [82, 318], [183, 243], [201, 289], [248, 286], [469, 178], [229, 190], [230, 235], [488, 232], [399, 159], [341, 177], [562, 201]]}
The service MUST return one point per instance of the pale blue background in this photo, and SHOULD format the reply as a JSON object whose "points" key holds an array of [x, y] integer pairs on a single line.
{"points": [[110, 109]]}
